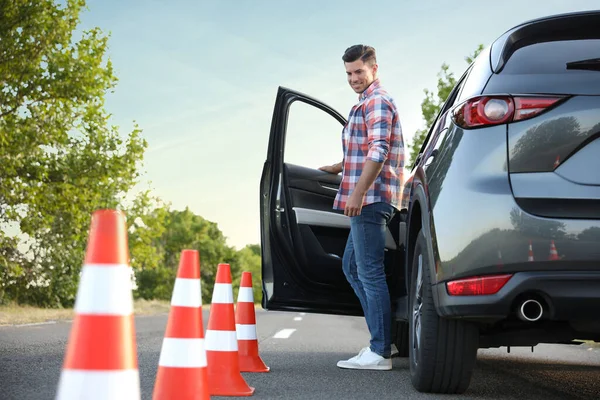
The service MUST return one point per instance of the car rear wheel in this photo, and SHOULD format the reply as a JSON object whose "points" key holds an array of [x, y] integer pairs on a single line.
{"points": [[443, 352]]}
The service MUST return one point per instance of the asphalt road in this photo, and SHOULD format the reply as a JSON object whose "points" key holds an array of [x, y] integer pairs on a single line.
{"points": [[303, 365]]}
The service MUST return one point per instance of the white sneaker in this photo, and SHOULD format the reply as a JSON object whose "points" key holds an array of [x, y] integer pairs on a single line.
{"points": [[393, 348], [366, 359]]}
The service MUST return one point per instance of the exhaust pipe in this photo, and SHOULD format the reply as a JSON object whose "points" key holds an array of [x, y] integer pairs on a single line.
{"points": [[530, 310]]}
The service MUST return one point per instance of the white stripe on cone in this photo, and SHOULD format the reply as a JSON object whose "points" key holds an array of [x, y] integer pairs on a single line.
{"points": [[245, 332], [186, 293], [221, 340], [245, 295], [96, 282], [183, 353], [99, 385], [222, 293]]}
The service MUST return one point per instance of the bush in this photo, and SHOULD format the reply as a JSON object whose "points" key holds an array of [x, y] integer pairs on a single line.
{"points": [[155, 283]]}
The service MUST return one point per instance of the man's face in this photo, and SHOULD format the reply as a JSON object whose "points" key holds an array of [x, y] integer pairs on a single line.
{"points": [[360, 75]]}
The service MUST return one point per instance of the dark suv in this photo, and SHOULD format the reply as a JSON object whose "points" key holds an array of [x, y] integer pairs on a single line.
{"points": [[498, 241]]}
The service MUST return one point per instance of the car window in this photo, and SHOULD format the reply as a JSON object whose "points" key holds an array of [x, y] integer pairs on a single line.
{"points": [[547, 67], [439, 121], [313, 137], [552, 57], [453, 96], [478, 77]]}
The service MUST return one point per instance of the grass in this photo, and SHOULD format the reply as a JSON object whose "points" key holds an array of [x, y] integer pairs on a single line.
{"points": [[14, 314]]}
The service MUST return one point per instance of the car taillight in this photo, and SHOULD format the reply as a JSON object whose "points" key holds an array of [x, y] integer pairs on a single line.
{"points": [[527, 107], [477, 286], [495, 110]]}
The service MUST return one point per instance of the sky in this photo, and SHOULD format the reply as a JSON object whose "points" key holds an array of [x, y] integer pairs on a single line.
{"points": [[200, 79]]}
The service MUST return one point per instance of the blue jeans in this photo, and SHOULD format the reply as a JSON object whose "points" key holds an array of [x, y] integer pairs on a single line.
{"points": [[363, 265]]}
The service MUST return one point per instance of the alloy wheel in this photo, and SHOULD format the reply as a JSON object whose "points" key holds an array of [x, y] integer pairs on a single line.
{"points": [[417, 310]]}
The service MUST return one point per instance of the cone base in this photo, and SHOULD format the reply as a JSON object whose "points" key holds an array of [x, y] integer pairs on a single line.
{"points": [[232, 391], [224, 375], [181, 383], [253, 364]]}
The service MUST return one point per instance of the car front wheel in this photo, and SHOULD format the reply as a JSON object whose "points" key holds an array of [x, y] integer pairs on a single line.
{"points": [[443, 351]]}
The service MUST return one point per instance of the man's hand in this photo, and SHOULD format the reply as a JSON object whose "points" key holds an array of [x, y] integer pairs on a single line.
{"points": [[354, 204], [332, 169]]}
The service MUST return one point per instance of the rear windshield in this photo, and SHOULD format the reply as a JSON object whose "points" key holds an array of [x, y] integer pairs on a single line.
{"points": [[552, 57], [542, 68]]}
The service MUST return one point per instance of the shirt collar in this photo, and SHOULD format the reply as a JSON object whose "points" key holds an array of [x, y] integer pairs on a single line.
{"points": [[369, 91]]}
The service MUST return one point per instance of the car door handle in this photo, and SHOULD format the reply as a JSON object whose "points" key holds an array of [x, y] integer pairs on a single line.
{"points": [[325, 186]]}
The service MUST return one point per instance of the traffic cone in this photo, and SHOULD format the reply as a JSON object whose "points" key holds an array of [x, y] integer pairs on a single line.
{"points": [[245, 325], [221, 341], [182, 367], [553, 253], [101, 356], [530, 258]]}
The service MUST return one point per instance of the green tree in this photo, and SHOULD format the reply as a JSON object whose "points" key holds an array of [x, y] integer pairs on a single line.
{"points": [[161, 235], [61, 160], [188, 230], [147, 217], [433, 102], [249, 260]]}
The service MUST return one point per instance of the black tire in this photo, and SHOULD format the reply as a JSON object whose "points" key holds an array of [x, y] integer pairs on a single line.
{"points": [[444, 358], [400, 338]]}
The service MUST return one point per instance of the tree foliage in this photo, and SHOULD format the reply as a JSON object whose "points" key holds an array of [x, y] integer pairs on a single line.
{"points": [[61, 158], [157, 239], [433, 102], [249, 259], [155, 253]]}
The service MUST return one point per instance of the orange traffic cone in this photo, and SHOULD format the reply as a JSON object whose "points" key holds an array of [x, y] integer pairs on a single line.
{"points": [[530, 258], [101, 355], [553, 253], [182, 367], [245, 325], [221, 341]]}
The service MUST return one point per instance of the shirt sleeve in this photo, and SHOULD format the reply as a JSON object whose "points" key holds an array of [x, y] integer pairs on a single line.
{"points": [[379, 117]]}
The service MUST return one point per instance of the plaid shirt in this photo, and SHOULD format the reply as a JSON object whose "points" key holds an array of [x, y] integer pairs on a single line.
{"points": [[373, 132]]}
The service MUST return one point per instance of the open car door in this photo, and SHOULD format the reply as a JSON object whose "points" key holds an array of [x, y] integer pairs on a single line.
{"points": [[302, 236]]}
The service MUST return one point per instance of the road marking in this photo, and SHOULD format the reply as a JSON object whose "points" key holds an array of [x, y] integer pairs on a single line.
{"points": [[37, 323], [284, 334], [303, 314], [298, 319]]}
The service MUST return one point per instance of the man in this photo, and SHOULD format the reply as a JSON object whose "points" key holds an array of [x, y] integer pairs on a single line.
{"points": [[372, 173]]}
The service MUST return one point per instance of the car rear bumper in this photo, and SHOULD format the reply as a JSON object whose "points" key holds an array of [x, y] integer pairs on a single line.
{"points": [[565, 295]]}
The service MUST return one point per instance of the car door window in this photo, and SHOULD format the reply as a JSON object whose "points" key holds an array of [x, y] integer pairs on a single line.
{"points": [[313, 137], [442, 119]]}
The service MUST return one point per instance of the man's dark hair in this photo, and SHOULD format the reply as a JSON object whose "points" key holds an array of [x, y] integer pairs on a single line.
{"points": [[360, 51]]}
